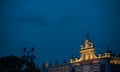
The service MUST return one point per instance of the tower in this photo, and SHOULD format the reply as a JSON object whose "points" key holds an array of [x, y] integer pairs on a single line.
{"points": [[87, 50], [107, 53]]}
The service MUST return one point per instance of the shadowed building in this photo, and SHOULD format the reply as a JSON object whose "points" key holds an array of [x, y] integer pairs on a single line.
{"points": [[88, 62]]}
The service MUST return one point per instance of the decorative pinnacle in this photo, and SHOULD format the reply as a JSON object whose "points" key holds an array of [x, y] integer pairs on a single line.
{"points": [[57, 62], [108, 49], [32, 49], [92, 40], [72, 57], [24, 49]]}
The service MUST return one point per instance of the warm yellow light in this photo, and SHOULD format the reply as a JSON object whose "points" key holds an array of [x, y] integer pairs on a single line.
{"points": [[99, 55], [115, 61], [107, 55], [71, 60]]}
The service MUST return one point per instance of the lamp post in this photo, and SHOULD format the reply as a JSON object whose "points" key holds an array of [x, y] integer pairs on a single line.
{"points": [[29, 54]]}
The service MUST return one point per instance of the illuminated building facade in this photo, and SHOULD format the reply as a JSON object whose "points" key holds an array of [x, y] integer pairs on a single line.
{"points": [[88, 62]]}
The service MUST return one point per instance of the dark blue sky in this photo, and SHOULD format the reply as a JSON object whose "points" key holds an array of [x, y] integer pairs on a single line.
{"points": [[56, 28]]}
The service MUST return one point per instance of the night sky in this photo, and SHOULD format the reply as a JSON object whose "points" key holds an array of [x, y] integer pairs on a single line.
{"points": [[56, 28]]}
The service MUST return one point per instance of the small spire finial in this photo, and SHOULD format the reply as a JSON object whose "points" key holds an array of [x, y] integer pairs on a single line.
{"points": [[72, 56], [57, 62], [32, 49], [92, 40], [92, 43], [81, 46], [100, 53], [64, 61], [82, 42], [46, 63], [87, 42], [108, 49], [24, 49]]}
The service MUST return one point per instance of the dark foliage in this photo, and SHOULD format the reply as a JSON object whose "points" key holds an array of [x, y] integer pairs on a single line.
{"points": [[17, 64]]}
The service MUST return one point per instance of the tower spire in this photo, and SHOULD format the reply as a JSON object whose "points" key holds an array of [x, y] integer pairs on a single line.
{"points": [[92, 43], [87, 36], [87, 42], [108, 49], [87, 51], [107, 54]]}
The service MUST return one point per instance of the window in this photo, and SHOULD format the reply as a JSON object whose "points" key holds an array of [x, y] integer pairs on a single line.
{"points": [[102, 68], [73, 70]]}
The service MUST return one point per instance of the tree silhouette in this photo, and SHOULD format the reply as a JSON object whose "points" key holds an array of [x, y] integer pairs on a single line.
{"points": [[17, 64], [11, 64]]}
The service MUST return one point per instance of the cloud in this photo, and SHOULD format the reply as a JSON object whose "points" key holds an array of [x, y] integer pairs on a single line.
{"points": [[32, 18], [68, 19], [40, 21]]}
